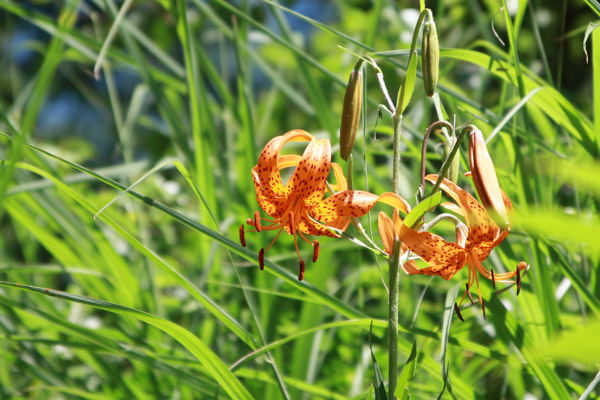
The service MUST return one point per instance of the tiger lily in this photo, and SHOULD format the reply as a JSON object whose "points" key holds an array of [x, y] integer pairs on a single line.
{"points": [[486, 226], [473, 245], [299, 207], [388, 230]]}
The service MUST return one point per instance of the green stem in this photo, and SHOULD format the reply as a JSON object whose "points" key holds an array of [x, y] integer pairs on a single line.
{"points": [[393, 275], [451, 156], [397, 142], [393, 320]]}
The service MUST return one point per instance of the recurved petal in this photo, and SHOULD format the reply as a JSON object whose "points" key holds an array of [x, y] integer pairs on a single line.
{"points": [[273, 205], [340, 180], [267, 170], [353, 203], [386, 231], [308, 181], [481, 226], [485, 179], [444, 258], [307, 225]]}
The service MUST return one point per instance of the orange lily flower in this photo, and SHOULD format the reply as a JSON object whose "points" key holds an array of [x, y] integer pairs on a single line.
{"points": [[299, 207], [482, 235], [388, 230]]}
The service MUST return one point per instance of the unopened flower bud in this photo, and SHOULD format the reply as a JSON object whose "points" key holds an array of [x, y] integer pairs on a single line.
{"points": [[351, 111], [430, 55], [485, 179]]}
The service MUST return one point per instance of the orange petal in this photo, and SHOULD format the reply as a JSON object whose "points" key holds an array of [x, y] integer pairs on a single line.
{"points": [[308, 181], [353, 203], [273, 205], [444, 258], [307, 225], [267, 173], [341, 183], [485, 179], [481, 227], [386, 231]]}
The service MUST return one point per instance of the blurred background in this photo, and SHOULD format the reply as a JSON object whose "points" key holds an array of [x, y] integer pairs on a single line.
{"points": [[185, 94]]}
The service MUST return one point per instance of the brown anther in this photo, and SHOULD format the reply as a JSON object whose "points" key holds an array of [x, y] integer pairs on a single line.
{"points": [[301, 275], [518, 279], [242, 236], [483, 308], [457, 311], [261, 259], [469, 293], [250, 221], [493, 278], [316, 251], [257, 221], [291, 222]]}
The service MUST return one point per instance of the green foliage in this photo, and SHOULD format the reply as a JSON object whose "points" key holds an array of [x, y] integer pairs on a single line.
{"points": [[153, 297]]}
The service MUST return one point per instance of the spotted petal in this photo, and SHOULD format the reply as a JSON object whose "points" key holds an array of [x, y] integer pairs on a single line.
{"points": [[274, 206], [444, 258], [481, 227], [308, 181], [267, 171], [354, 203]]}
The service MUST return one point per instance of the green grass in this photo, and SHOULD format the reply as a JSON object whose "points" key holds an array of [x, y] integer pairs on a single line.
{"points": [[154, 297]]}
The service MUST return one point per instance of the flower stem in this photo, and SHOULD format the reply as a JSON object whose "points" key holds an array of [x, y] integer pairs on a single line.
{"points": [[394, 276], [393, 320], [397, 141]]}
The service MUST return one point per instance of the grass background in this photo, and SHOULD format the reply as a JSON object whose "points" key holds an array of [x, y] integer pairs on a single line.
{"points": [[155, 298]]}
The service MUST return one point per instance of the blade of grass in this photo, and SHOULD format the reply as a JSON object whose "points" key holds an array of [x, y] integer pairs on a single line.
{"points": [[194, 345]]}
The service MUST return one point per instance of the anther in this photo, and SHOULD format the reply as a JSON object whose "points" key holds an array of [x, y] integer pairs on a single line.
{"points": [[316, 251], [257, 221], [483, 308], [493, 278], [301, 275], [261, 259], [291, 222], [242, 236], [457, 311], [469, 293], [518, 280]]}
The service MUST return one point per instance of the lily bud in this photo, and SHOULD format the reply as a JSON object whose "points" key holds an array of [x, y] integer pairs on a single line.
{"points": [[351, 110], [430, 55], [486, 181]]}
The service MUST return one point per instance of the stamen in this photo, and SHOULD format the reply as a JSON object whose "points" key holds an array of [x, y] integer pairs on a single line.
{"points": [[261, 259], [291, 222], [469, 293], [242, 236], [316, 251], [483, 308], [493, 278], [257, 221], [250, 221], [457, 311], [301, 275], [518, 280]]}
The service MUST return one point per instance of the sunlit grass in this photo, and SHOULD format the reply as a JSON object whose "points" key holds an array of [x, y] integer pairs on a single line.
{"points": [[156, 298]]}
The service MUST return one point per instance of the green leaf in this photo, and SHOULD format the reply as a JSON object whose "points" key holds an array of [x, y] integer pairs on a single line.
{"points": [[214, 365], [380, 393], [590, 28], [447, 322], [594, 5], [408, 371], [577, 346], [413, 218], [406, 91]]}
